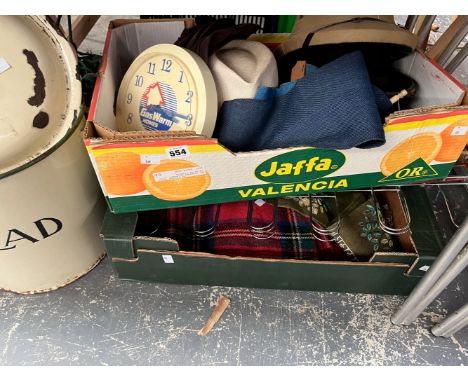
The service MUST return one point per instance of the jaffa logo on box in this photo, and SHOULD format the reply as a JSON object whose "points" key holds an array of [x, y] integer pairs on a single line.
{"points": [[300, 165], [42, 229]]}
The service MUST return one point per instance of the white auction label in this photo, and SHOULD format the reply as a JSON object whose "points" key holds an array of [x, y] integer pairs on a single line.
{"points": [[168, 259], [178, 152], [459, 130], [4, 65], [424, 268], [260, 202], [178, 174], [150, 159]]}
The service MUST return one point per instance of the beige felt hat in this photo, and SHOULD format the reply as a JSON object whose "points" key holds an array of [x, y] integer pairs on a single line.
{"points": [[346, 29], [240, 67]]}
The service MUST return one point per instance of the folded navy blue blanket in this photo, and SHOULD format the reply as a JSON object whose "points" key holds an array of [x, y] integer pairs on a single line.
{"points": [[335, 107]]}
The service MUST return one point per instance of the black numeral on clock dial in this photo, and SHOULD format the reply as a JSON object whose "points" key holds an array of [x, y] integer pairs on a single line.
{"points": [[166, 66]]}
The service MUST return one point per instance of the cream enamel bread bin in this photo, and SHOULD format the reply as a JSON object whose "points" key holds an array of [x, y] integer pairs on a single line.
{"points": [[51, 207]]}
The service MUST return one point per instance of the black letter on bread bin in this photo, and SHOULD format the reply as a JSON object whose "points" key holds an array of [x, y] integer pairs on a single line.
{"points": [[22, 237], [43, 230]]}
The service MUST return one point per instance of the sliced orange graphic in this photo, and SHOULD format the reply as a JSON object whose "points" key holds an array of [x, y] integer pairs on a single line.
{"points": [[176, 179], [425, 146], [454, 139], [121, 173]]}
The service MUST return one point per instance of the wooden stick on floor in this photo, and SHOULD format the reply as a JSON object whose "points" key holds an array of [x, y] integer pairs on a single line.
{"points": [[216, 314]]}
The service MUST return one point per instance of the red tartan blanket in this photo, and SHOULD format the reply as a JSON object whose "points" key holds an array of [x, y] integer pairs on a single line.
{"points": [[232, 232]]}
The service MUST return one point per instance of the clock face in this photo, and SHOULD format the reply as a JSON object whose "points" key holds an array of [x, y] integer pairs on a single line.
{"points": [[165, 90]]}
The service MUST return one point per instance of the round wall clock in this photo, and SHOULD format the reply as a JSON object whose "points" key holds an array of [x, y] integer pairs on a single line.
{"points": [[167, 88]]}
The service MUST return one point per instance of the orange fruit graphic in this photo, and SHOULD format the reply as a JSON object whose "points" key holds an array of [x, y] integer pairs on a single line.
{"points": [[176, 179], [121, 173], [453, 144], [424, 145]]}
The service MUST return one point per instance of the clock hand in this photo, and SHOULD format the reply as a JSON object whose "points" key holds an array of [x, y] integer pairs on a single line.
{"points": [[188, 118], [175, 114], [180, 116]]}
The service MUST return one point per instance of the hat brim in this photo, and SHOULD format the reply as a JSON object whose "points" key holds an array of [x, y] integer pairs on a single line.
{"points": [[367, 31]]}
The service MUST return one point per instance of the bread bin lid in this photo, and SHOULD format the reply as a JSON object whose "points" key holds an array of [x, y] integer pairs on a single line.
{"points": [[40, 91]]}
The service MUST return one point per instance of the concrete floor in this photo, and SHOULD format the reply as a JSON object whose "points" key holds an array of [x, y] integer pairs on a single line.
{"points": [[102, 320]]}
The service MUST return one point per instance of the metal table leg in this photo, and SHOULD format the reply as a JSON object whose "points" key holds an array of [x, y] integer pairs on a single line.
{"points": [[457, 60], [453, 323], [432, 283]]}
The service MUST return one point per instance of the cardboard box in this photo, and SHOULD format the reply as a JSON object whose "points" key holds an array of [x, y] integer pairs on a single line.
{"points": [[269, 173], [160, 260]]}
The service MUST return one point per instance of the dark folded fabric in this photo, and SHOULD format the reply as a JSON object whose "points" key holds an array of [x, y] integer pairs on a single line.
{"points": [[211, 35], [379, 57], [381, 98], [334, 107]]}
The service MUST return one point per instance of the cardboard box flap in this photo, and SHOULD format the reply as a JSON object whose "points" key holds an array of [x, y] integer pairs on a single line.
{"points": [[432, 111], [399, 257], [126, 43], [394, 257], [94, 129], [162, 243], [189, 22], [117, 234], [440, 88], [132, 39]]}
